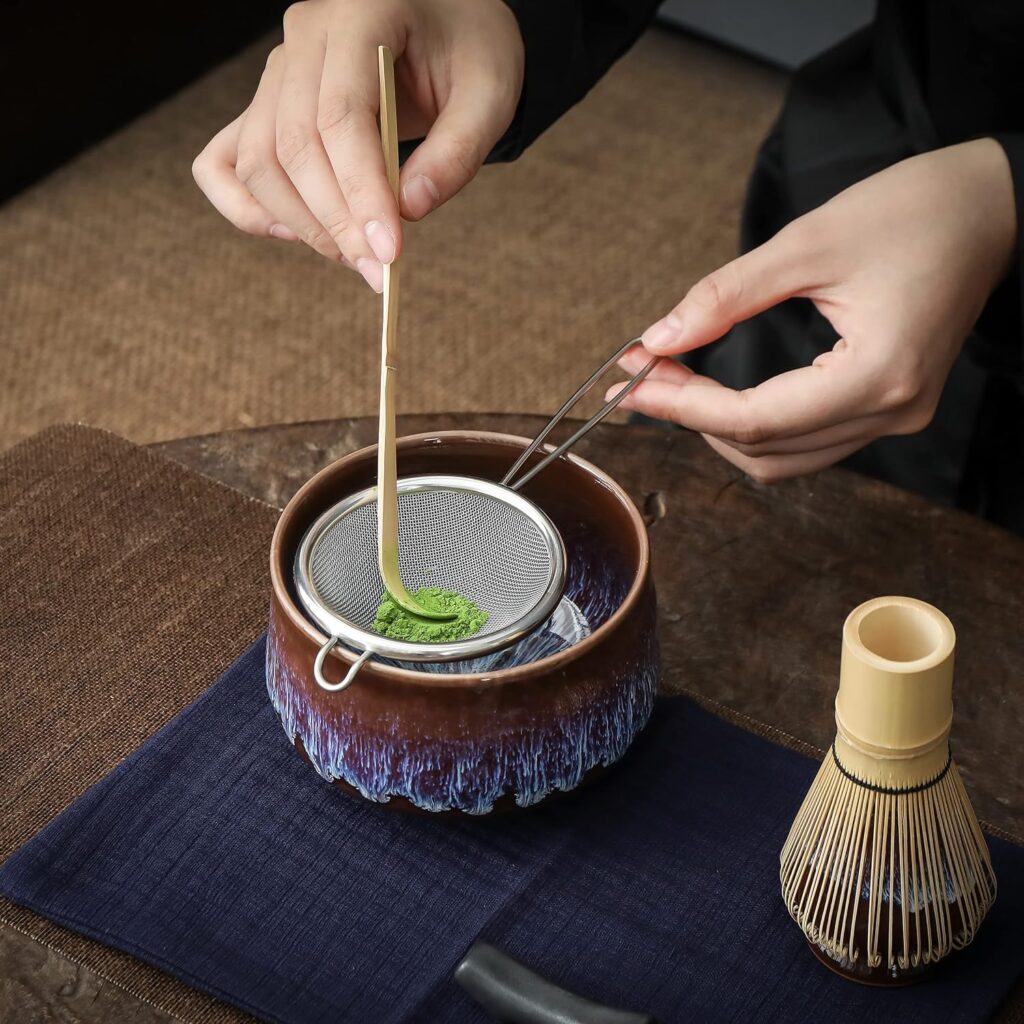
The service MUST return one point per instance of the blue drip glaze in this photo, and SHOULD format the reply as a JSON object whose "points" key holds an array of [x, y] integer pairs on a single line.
{"points": [[460, 772]]}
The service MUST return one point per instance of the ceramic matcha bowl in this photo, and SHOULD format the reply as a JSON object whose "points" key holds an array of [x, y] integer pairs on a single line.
{"points": [[482, 737]]}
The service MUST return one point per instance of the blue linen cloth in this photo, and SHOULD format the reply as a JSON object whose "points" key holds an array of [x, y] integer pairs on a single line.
{"points": [[216, 854]]}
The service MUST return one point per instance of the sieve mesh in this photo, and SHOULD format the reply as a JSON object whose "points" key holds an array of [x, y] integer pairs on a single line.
{"points": [[469, 536], [477, 538]]}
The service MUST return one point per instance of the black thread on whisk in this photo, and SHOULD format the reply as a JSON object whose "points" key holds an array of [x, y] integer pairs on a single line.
{"points": [[888, 789]]}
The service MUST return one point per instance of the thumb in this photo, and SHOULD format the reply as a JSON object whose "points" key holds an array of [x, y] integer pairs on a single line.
{"points": [[476, 115], [759, 279]]}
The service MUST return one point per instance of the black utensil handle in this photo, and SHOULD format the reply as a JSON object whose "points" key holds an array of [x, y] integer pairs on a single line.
{"points": [[514, 994]]}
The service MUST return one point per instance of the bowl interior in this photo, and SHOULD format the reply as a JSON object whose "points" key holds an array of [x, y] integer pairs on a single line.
{"points": [[602, 533]]}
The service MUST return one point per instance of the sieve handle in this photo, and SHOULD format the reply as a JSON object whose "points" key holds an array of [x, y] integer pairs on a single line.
{"points": [[586, 386], [318, 668]]}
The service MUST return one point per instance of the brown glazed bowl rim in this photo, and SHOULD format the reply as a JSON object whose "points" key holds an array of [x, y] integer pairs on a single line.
{"points": [[552, 662]]}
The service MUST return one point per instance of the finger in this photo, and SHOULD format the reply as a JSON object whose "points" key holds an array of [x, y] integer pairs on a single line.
{"points": [[346, 117], [214, 172], [783, 267], [793, 403], [665, 369], [300, 149], [774, 468], [862, 429], [258, 168], [476, 115]]}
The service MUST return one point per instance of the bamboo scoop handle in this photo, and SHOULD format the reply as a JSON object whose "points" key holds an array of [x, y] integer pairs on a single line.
{"points": [[387, 464]]}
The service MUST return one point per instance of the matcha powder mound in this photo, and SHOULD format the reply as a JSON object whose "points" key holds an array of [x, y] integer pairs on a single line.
{"points": [[393, 621]]}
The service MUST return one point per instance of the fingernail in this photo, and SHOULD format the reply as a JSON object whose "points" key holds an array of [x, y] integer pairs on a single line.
{"points": [[614, 390], [283, 232], [382, 242], [420, 196], [663, 335], [372, 271]]}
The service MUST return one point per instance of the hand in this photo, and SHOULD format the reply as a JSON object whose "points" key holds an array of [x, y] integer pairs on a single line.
{"points": [[900, 264], [304, 160]]}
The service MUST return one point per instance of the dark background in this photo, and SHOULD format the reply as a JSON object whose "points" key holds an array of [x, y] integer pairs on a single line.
{"points": [[70, 72]]}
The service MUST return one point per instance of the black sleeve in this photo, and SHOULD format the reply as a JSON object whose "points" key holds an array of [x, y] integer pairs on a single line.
{"points": [[569, 45], [1013, 147]]}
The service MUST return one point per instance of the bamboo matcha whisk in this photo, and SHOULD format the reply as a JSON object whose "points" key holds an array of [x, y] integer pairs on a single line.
{"points": [[886, 869]]}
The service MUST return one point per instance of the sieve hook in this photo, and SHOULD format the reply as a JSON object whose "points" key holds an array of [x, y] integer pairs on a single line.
{"points": [[318, 667], [587, 385]]}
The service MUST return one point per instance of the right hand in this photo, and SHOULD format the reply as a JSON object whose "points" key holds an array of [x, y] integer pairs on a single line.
{"points": [[304, 160], [901, 265]]}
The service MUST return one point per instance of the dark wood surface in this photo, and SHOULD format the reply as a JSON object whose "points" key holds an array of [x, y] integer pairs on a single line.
{"points": [[753, 584]]}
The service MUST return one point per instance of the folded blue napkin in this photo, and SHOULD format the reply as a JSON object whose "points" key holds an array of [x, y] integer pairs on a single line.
{"points": [[215, 853]]}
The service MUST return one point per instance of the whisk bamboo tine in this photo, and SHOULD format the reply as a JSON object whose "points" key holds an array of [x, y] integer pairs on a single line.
{"points": [[387, 463]]}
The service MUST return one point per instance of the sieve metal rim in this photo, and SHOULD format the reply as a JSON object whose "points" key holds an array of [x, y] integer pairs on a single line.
{"points": [[366, 641]]}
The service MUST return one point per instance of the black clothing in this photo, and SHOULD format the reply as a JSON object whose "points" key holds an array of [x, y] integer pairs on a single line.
{"points": [[922, 76]]}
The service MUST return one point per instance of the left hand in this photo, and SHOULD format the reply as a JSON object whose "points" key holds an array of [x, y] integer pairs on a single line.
{"points": [[901, 264]]}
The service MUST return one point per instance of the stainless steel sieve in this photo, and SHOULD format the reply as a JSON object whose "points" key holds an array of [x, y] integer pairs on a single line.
{"points": [[475, 537]]}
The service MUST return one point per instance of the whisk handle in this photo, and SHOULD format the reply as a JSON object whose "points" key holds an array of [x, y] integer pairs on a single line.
{"points": [[601, 413], [318, 668]]}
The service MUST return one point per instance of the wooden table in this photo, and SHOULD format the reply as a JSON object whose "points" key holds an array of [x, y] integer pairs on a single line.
{"points": [[753, 585]]}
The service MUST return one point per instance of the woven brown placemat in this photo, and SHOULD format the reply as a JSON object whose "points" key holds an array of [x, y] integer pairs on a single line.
{"points": [[131, 584]]}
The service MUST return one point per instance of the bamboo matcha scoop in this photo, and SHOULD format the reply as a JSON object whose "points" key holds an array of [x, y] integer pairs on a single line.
{"points": [[387, 465]]}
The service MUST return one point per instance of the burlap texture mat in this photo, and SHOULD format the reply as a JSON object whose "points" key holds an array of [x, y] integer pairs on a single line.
{"points": [[130, 304], [131, 583]]}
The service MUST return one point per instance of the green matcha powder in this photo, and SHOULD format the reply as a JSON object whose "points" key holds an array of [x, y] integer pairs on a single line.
{"points": [[394, 621]]}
